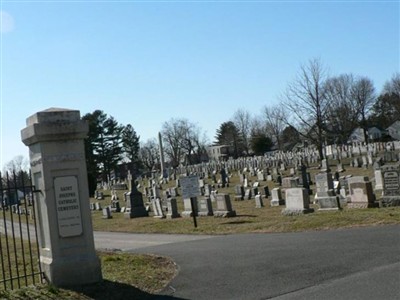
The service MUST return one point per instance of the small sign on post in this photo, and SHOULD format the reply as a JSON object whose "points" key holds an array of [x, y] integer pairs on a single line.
{"points": [[190, 189]]}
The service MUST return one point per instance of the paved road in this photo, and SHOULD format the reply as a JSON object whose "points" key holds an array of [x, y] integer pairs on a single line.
{"points": [[360, 263], [134, 241], [18, 228]]}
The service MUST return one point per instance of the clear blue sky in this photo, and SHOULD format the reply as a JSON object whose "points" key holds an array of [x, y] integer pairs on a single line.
{"points": [[145, 62]]}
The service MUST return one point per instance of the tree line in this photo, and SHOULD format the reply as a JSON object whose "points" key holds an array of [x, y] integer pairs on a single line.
{"points": [[314, 107]]}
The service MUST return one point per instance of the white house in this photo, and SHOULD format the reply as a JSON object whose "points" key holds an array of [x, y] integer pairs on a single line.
{"points": [[394, 130], [373, 134], [218, 152]]}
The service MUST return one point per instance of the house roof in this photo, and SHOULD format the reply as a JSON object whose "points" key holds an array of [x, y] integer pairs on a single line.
{"points": [[395, 126]]}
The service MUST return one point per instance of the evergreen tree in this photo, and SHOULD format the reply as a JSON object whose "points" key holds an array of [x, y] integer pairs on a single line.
{"points": [[103, 147], [94, 120], [260, 143], [131, 146], [229, 134], [112, 146]]}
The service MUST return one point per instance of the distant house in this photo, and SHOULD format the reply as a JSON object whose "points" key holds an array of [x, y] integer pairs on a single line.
{"points": [[373, 134], [394, 130], [218, 152], [357, 136]]}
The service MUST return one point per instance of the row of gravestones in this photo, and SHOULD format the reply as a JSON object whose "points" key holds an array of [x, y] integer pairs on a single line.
{"points": [[288, 158], [201, 207], [360, 192], [263, 175], [279, 160], [297, 199], [20, 210], [242, 193], [361, 195]]}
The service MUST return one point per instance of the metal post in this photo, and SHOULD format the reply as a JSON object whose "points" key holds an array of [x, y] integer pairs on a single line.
{"points": [[192, 199]]}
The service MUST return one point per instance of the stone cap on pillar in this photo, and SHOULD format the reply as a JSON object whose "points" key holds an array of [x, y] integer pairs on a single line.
{"points": [[54, 115], [54, 124]]}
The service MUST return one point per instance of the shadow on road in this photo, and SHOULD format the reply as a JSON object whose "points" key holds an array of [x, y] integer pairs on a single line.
{"points": [[106, 290]]}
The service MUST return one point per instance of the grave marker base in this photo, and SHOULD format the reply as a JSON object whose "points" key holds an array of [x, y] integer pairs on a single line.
{"points": [[296, 212], [388, 201], [329, 203], [362, 205], [276, 202], [225, 214]]}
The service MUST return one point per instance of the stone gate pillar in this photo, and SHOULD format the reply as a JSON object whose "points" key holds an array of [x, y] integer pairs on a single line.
{"points": [[57, 157]]}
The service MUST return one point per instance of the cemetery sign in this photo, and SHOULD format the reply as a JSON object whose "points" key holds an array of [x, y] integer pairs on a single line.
{"points": [[190, 186], [67, 205]]}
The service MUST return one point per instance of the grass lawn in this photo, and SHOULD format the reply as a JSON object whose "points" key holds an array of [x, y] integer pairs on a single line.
{"points": [[126, 276], [249, 218]]}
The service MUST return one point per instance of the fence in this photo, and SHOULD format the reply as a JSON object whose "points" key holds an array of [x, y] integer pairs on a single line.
{"points": [[19, 247]]}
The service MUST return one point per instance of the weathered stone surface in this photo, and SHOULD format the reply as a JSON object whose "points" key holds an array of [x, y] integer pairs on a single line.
{"points": [[224, 206], [391, 185], [361, 194], [57, 157], [172, 209], [187, 204], [277, 197], [329, 203], [297, 202], [205, 207]]}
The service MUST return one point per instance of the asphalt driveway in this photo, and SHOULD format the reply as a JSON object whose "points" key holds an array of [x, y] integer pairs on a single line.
{"points": [[359, 263]]}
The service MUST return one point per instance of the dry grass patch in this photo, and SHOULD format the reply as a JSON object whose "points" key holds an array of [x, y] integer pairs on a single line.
{"points": [[250, 219], [125, 276]]}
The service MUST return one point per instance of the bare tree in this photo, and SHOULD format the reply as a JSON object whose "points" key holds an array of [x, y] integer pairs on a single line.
{"points": [[149, 154], [16, 170], [200, 141], [363, 95], [392, 86], [173, 132], [342, 110], [242, 120], [306, 100], [275, 118], [257, 125], [17, 164], [183, 141]]}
